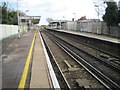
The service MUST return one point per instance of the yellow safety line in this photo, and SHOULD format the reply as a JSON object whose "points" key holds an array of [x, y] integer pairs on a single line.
{"points": [[26, 67]]}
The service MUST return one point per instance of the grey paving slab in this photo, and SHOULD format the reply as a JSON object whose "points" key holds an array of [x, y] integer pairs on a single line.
{"points": [[39, 76], [16, 51]]}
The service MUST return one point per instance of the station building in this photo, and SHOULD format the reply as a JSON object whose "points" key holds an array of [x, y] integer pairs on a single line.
{"points": [[63, 24]]}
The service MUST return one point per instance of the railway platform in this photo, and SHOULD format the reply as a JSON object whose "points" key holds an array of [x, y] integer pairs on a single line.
{"points": [[14, 55], [40, 77], [96, 36], [26, 63]]}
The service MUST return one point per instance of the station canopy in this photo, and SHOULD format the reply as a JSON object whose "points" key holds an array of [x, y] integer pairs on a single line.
{"points": [[33, 19]]}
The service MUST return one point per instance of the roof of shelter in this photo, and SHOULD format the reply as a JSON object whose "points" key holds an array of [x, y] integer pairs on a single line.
{"points": [[34, 19]]}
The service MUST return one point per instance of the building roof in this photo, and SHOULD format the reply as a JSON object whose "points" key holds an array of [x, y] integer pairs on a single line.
{"points": [[88, 20]]}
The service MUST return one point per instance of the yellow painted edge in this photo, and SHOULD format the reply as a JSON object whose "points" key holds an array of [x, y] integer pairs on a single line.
{"points": [[22, 82]]}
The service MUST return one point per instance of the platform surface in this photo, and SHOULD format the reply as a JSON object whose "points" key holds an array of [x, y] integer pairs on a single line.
{"points": [[16, 51], [40, 75]]}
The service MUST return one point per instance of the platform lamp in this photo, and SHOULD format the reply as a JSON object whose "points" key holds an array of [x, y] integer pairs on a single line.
{"points": [[74, 21], [63, 22], [26, 17], [19, 31], [98, 10]]}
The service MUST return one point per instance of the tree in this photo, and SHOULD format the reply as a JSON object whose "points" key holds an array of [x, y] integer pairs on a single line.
{"points": [[118, 16], [4, 13], [49, 20], [111, 14], [0, 14], [9, 16]]}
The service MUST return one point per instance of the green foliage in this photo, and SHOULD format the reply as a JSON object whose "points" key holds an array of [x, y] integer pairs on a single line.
{"points": [[118, 16], [111, 14], [0, 14], [8, 16]]}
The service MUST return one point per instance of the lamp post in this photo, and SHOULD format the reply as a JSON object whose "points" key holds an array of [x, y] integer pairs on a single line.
{"points": [[26, 17], [74, 21], [60, 25], [18, 18], [64, 22], [19, 35], [74, 14], [98, 10]]}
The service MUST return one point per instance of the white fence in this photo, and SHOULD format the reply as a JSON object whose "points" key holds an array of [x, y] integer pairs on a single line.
{"points": [[7, 30], [98, 28], [69, 25], [93, 27]]}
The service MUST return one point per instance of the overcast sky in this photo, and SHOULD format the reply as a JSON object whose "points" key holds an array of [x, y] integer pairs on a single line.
{"points": [[57, 9]]}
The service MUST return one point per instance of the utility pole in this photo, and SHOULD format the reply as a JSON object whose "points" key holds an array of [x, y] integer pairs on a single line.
{"points": [[74, 16], [98, 10], [60, 24], [19, 31], [26, 18], [74, 21]]}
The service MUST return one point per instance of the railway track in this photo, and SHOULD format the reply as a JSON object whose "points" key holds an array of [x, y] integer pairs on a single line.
{"points": [[70, 70], [73, 51], [88, 43], [114, 65]]}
